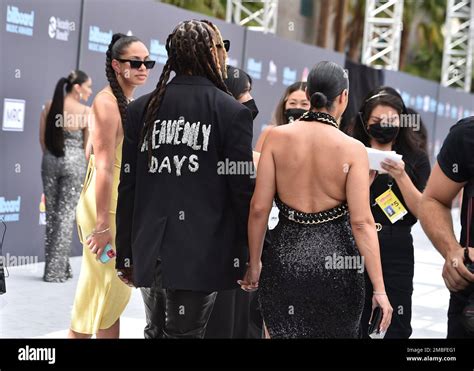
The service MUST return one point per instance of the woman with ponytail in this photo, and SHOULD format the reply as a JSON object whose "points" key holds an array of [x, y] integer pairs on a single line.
{"points": [[101, 296], [317, 176], [63, 137]]}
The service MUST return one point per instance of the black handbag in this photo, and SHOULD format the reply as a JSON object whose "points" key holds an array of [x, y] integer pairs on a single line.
{"points": [[3, 287]]}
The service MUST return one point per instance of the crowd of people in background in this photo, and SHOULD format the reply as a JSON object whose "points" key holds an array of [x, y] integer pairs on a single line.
{"points": [[139, 177]]}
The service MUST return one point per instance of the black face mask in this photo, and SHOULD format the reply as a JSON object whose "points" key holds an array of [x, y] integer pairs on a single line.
{"points": [[250, 104], [293, 114], [383, 134]]}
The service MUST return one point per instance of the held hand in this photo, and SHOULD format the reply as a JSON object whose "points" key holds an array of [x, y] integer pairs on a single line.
{"points": [[455, 274], [251, 278], [387, 310], [97, 242], [395, 169], [126, 276]]}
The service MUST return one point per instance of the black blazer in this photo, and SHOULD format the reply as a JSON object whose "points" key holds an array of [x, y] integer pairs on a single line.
{"points": [[186, 213]]}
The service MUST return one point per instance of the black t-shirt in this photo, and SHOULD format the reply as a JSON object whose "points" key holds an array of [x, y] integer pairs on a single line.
{"points": [[456, 160], [417, 166]]}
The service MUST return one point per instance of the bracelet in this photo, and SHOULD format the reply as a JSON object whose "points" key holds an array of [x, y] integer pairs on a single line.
{"points": [[380, 293], [102, 231]]}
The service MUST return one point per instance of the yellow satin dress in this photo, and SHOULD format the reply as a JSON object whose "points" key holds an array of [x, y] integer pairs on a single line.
{"points": [[101, 297]]}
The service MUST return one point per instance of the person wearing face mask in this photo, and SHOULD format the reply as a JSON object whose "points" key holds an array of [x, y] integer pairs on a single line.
{"points": [[236, 313], [381, 124], [291, 107]]}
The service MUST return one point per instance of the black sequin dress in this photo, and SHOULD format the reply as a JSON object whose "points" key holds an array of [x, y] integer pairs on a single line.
{"points": [[312, 283]]}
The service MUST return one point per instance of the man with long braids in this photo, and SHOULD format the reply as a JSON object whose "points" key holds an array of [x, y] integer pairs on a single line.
{"points": [[185, 186]]}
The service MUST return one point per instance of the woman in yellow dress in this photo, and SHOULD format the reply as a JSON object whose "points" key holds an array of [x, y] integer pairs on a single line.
{"points": [[101, 296]]}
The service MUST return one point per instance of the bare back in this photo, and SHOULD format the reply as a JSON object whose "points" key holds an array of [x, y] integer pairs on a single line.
{"points": [[312, 161]]}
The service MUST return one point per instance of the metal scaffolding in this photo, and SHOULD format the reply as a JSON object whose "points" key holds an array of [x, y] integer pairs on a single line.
{"points": [[266, 17], [382, 33], [458, 45]]}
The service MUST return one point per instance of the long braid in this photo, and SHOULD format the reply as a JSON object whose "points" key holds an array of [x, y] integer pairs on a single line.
{"points": [[153, 107], [155, 101], [189, 52], [116, 47]]}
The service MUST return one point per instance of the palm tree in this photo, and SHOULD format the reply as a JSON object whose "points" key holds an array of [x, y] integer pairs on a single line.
{"points": [[213, 8], [340, 25], [323, 23], [427, 52], [355, 29]]}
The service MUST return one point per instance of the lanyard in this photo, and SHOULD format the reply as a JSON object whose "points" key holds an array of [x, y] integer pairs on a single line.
{"points": [[389, 185]]}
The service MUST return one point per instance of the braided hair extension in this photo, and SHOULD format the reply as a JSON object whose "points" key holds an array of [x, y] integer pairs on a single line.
{"points": [[191, 51], [116, 49]]}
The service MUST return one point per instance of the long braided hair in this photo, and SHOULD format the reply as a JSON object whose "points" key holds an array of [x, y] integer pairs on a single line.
{"points": [[189, 52], [116, 49]]}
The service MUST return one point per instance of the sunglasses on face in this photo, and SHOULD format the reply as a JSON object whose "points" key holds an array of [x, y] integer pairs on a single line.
{"points": [[136, 64], [226, 45]]}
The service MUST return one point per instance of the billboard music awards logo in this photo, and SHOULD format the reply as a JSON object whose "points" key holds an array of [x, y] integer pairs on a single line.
{"points": [[254, 68], [42, 210], [289, 76], [19, 22], [10, 209], [99, 40], [60, 29], [272, 73], [304, 74], [13, 114], [232, 62], [158, 51]]}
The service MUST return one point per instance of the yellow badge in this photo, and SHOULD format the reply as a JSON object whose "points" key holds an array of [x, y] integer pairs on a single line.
{"points": [[391, 206]]}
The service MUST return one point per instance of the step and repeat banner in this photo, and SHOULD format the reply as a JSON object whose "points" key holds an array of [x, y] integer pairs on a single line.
{"points": [[156, 21], [420, 95], [42, 41], [274, 64], [39, 45], [453, 105]]}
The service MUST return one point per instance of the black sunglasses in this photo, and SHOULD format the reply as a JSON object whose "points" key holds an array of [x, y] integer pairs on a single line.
{"points": [[136, 64], [226, 45]]}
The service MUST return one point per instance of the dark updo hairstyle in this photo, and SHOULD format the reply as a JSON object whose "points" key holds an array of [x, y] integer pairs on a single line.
{"points": [[120, 42], [238, 82], [54, 134], [326, 81], [405, 143], [279, 117]]}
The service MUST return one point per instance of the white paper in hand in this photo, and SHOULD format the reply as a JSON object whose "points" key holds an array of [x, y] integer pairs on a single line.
{"points": [[376, 157]]}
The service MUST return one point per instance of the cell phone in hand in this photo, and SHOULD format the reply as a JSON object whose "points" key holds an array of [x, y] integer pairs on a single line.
{"points": [[374, 325], [107, 254]]}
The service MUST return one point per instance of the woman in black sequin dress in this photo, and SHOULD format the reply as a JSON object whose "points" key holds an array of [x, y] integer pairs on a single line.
{"points": [[63, 138], [312, 282]]}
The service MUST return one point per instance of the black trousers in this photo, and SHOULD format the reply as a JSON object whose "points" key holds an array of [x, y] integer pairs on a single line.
{"points": [[175, 314], [236, 315], [396, 252], [457, 303]]}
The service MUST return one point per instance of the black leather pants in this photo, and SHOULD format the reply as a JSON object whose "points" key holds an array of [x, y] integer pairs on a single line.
{"points": [[175, 314], [187, 313], [154, 298]]}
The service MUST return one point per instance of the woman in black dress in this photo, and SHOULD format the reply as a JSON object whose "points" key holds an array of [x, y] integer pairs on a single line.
{"points": [[384, 123], [317, 175]]}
